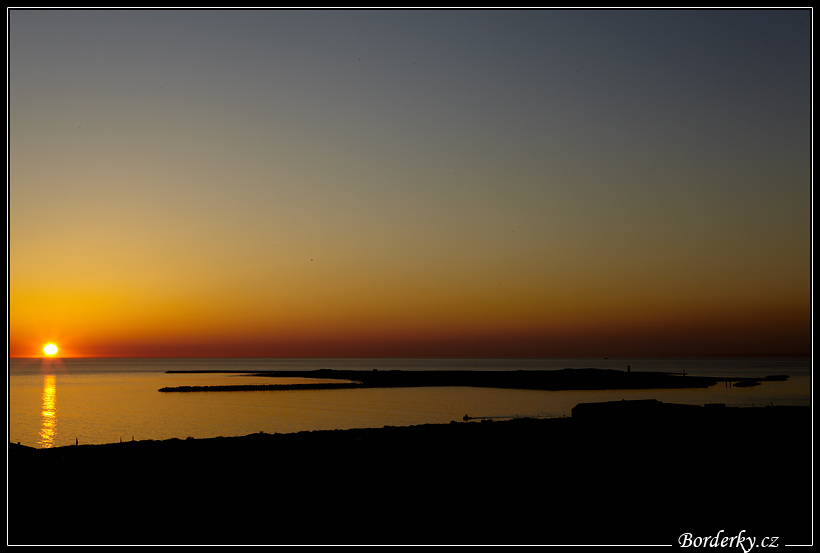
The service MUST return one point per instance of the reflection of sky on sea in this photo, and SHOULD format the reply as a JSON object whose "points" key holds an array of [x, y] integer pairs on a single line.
{"points": [[121, 401], [49, 411]]}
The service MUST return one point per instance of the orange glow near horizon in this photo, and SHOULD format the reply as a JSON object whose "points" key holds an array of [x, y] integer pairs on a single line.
{"points": [[409, 316], [741, 333]]}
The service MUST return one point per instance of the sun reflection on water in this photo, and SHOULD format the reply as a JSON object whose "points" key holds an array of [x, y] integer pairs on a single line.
{"points": [[49, 411]]}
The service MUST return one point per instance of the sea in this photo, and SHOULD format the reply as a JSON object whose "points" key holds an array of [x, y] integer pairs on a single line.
{"points": [[59, 402]]}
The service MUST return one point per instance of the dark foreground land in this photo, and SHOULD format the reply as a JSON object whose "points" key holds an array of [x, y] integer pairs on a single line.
{"points": [[634, 473]]}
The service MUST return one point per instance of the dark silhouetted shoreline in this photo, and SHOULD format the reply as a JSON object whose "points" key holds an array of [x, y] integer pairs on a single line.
{"points": [[613, 473], [566, 379]]}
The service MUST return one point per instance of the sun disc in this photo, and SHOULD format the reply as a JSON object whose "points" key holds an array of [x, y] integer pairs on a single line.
{"points": [[50, 349]]}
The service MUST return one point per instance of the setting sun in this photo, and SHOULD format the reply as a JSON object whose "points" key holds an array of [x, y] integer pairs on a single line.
{"points": [[50, 349]]}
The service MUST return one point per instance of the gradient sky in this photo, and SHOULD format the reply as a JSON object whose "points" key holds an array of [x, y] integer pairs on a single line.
{"points": [[410, 183]]}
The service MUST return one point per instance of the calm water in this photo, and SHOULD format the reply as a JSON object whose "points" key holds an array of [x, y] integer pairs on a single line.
{"points": [[55, 402]]}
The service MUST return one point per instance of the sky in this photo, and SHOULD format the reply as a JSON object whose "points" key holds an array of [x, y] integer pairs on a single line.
{"points": [[237, 183]]}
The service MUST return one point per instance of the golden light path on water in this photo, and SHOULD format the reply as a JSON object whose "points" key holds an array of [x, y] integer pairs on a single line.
{"points": [[49, 411]]}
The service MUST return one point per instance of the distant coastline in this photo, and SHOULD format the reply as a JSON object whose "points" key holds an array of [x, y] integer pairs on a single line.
{"points": [[566, 379]]}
